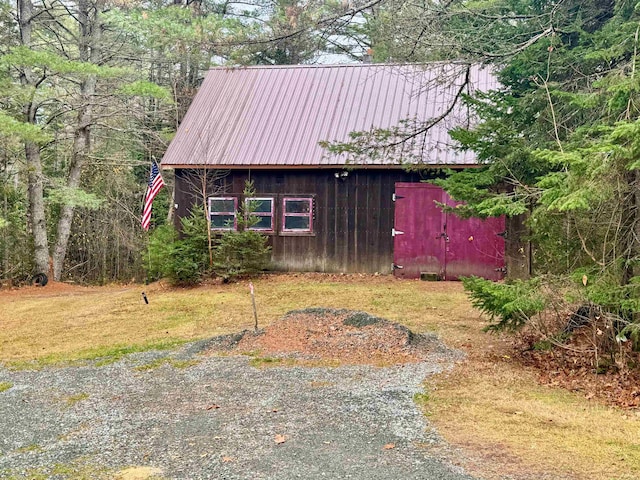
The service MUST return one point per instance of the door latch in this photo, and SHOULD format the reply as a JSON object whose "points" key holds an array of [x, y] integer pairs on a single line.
{"points": [[395, 232], [395, 266]]}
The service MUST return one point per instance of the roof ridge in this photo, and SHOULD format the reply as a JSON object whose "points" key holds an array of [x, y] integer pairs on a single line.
{"points": [[338, 65]]}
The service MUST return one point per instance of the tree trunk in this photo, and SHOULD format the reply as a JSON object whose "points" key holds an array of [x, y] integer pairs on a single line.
{"points": [[88, 46], [37, 216], [631, 228], [636, 230], [35, 178]]}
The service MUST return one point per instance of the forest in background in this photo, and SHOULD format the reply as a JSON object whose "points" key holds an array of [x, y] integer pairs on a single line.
{"points": [[91, 91]]}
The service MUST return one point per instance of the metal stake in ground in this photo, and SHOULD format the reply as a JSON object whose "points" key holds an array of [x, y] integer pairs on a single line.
{"points": [[253, 302]]}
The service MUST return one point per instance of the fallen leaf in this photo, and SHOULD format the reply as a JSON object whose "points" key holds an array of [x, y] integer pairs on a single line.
{"points": [[226, 459], [585, 280], [212, 407], [280, 439], [389, 446]]}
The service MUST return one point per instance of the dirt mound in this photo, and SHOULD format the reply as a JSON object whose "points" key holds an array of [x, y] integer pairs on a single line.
{"points": [[337, 336]]}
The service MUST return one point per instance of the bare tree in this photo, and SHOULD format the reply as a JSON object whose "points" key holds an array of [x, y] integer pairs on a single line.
{"points": [[89, 48]]}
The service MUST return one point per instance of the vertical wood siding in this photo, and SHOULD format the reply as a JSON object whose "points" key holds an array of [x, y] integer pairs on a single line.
{"points": [[353, 215]]}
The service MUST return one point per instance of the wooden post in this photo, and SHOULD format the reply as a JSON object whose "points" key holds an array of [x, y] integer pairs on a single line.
{"points": [[253, 302]]}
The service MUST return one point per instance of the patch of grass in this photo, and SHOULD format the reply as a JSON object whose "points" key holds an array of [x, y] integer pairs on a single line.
{"points": [[421, 398], [32, 447], [76, 470], [318, 363], [102, 355], [28, 474], [80, 471], [4, 386], [71, 400], [262, 362], [543, 345], [501, 408], [178, 364]]}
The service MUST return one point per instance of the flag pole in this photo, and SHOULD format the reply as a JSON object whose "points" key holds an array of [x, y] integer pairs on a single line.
{"points": [[155, 183], [149, 254]]}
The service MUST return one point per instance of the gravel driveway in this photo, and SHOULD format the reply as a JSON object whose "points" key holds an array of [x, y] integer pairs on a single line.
{"points": [[220, 418]]}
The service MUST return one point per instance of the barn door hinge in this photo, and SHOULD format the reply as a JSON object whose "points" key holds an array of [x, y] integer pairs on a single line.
{"points": [[395, 266], [395, 197], [395, 232]]}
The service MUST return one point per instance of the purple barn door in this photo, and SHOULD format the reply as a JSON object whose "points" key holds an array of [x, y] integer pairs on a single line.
{"points": [[431, 242], [474, 246], [417, 244]]}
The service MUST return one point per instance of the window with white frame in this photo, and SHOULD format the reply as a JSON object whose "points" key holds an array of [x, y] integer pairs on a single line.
{"points": [[223, 213], [261, 211], [297, 215]]}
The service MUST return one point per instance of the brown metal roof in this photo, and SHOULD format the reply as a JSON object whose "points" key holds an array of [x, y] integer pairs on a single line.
{"points": [[263, 117]]}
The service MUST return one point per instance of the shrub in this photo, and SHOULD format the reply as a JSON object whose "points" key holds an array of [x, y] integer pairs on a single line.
{"points": [[512, 303], [161, 244], [182, 260], [240, 253], [189, 260]]}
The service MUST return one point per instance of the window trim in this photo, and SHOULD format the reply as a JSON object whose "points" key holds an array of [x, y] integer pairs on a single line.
{"points": [[308, 215], [234, 213], [271, 214]]}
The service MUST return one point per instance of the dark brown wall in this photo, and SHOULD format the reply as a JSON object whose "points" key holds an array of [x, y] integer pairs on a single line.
{"points": [[353, 215]]}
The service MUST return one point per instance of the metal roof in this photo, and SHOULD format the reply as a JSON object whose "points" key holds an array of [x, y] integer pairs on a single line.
{"points": [[274, 116]]}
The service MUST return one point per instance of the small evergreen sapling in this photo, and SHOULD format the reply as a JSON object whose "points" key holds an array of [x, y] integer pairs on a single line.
{"points": [[242, 251], [512, 304]]}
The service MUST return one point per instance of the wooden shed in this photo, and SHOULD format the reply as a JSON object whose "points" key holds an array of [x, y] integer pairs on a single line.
{"points": [[330, 212]]}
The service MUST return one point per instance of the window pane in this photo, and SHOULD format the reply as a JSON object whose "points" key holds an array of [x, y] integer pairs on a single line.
{"points": [[297, 206], [222, 205], [262, 223], [296, 223], [263, 205], [222, 221]]}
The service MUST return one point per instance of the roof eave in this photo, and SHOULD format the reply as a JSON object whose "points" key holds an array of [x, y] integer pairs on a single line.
{"points": [[316, 167]]}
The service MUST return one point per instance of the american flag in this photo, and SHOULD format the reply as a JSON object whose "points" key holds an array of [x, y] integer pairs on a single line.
{"points": [[155, 184]]}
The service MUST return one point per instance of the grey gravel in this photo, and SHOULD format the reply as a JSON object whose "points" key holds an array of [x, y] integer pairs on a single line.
{"points": [[336, 421]]}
